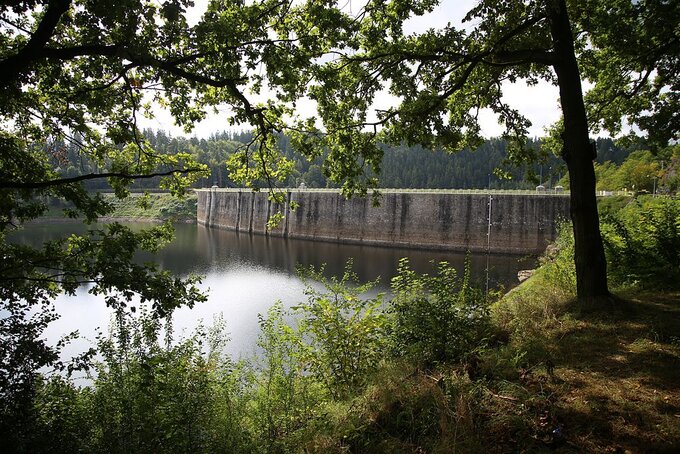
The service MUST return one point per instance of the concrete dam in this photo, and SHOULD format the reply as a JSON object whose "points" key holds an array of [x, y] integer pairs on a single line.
{"points": [[501, 221]]}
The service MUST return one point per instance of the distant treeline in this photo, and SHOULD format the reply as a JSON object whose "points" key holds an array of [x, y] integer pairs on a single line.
{"points": [[403, 166]]}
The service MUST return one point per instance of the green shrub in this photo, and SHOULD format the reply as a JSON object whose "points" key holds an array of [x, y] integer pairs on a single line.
{"points": [[344, 332], [150, 395], [643, 242], [437, 318], [64, 417], [285, 397], [557, 264], [609, 205]]}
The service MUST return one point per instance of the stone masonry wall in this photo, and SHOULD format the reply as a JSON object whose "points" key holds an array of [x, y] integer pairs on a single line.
{"points": [[520, 223]]}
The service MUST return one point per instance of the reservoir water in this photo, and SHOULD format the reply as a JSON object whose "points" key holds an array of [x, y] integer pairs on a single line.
{"points": [[245, 274]]}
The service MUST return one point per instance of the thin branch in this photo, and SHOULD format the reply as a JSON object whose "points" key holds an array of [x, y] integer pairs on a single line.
{"points": [[12, 24], [90, 176], [135, 133], [104, 86], [622, 93], [48, 279]]}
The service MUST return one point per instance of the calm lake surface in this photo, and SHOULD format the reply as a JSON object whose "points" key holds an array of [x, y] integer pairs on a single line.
{"points": [[244, 275]]}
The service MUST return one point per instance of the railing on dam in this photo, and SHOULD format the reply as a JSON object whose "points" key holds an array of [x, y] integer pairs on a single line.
{"points": [[408, 190], [495, 221]]}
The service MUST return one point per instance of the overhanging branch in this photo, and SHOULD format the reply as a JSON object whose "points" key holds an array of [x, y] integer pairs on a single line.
{"points": [[16, 64], [41, 36], [90, 176]]}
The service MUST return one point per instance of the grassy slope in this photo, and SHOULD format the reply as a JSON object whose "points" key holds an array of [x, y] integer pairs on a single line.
{"points": [[559, 381], [556, 378], [614, 386], [160, 206]]}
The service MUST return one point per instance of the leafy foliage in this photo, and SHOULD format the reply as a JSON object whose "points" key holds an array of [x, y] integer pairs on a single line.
{"points": [[443, 77], [640, 172], [180, 397], [344, 331], [285, 397], [23, 353], [629, 50], [79, 74], [643, 242], [31, 278], [154, 393], [438, 318], [152, 397]]}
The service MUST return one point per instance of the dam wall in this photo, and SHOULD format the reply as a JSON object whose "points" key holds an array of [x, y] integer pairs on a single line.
{"points": [[450, 220]]}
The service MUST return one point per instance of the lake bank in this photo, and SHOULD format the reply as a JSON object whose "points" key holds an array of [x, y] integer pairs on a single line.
{"points": [[436, 366], [137, 207]]}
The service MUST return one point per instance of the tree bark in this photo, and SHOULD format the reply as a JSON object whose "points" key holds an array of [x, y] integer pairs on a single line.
{"points": [[591, 264]]}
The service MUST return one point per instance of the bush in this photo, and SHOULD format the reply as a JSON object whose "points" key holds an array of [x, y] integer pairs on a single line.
{"points": [[344, 332], [285, 397], [438, 318], [153, 394], [149, 397], [642, 242], [64, 421]]}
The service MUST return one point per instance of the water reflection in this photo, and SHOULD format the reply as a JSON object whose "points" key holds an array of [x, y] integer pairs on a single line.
{"points": [[245, 274], [215, 250]]}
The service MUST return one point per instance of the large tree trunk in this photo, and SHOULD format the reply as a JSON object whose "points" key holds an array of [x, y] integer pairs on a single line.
{"points": [[591, 265]]}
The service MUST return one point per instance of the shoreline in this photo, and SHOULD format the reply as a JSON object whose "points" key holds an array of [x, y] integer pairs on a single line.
{"points": [[141, 219]]}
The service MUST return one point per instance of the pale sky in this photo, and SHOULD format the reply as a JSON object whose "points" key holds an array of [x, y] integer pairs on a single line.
{"points": [[538, 103]]}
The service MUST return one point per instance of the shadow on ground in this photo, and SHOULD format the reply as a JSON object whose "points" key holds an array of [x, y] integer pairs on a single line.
{"points": [[617, 378]]}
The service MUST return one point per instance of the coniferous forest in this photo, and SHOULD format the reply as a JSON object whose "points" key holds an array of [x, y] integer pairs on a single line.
{"points": [[402, 166]]}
